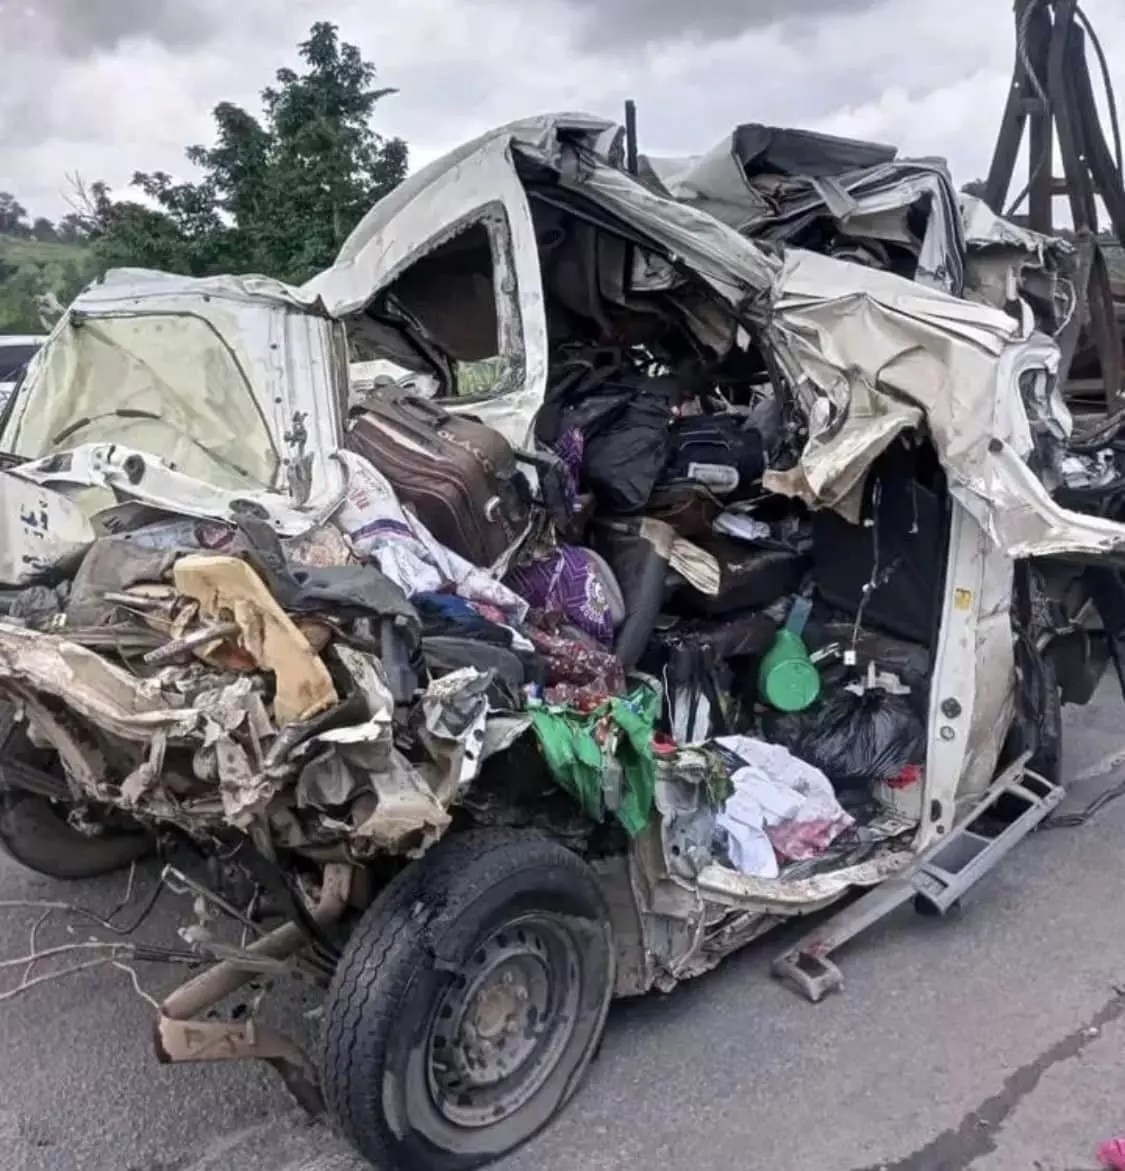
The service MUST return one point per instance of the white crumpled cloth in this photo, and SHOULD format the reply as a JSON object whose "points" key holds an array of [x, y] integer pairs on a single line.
{"points": [[781, 808], [405, 550]]}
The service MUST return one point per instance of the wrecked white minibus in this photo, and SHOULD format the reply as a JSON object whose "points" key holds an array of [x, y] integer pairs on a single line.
{"points": [[753, 575]]}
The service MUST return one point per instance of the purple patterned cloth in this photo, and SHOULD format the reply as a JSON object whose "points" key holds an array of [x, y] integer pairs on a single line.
{"points": [[571, 582], [570, 448], [579, 674]]}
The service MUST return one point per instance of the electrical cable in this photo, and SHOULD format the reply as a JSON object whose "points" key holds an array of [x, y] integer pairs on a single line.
{"points": [[1107, 82], [1080, 818]]}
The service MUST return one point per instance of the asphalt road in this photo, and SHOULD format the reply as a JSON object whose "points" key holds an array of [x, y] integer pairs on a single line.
{"points": [[994, 1041]]}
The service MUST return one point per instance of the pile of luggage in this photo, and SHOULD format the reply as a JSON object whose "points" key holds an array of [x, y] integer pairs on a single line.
{"points": [[627, 563], [628, 582]]}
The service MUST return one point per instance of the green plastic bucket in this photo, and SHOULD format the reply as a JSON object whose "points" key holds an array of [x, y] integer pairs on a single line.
{"points": [[788, 679]]}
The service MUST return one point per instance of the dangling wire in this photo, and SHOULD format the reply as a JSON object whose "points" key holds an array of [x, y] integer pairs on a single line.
{"points": [[1107, 82], [873, 583]]}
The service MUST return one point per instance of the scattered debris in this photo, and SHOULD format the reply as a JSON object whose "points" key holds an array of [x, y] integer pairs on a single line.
{"points": [[222, 585]]}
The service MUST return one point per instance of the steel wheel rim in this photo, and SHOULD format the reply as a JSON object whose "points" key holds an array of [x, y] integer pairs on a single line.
{"points": [[501, 1026]]}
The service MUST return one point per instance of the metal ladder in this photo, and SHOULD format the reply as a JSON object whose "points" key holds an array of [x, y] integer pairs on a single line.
{"points": [[936, 880]]}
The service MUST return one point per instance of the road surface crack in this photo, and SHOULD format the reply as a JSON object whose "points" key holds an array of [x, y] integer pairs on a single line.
{"points": [[977, 1134]]}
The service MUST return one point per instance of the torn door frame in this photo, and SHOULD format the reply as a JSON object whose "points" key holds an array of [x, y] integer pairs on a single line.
{"points": [[480, 188]]}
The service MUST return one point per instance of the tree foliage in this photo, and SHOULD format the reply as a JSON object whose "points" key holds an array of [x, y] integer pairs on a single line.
{"points": [[31, 270], [278, 193], [275, 193], [13, 216]]}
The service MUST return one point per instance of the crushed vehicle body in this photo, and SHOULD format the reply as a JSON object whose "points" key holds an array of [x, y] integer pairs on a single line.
{"points": [[728, 547]]}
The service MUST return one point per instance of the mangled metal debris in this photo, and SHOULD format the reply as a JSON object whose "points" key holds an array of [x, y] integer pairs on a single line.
{"points": [[738, 593]]}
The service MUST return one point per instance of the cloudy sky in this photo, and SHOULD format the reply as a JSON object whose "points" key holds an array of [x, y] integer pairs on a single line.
{"points": [[106, 87]]}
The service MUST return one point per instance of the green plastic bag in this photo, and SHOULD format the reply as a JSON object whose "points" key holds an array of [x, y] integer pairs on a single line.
{"points": [[612, 743]]}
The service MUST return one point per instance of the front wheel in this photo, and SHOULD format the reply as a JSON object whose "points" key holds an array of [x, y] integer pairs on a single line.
{"points": [[38, 834], [468, 1004]]}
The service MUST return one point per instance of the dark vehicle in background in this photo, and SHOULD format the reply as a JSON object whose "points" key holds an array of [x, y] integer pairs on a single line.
{"points": [[16, 350]]}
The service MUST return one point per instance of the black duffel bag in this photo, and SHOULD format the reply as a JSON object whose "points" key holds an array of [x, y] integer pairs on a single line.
{"points": [[725, 453]]}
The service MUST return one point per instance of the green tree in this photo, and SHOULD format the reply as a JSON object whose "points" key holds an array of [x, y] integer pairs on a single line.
{"points": [[277, 194], [22, 288], [72, 229], [13, 216], [44, 230]]}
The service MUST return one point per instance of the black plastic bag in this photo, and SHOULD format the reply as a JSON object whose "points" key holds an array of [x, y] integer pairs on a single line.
{"points": [[510, 671], [857, 741]]}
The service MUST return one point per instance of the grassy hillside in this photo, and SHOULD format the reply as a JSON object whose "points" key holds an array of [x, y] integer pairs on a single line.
{"points": [[31, 268]]}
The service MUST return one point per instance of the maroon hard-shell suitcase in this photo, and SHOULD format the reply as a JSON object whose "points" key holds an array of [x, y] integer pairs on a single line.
{"points": [[459, 476]]}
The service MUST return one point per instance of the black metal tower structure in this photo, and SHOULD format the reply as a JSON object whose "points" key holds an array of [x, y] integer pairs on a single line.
{"points": [[1052, 101]]}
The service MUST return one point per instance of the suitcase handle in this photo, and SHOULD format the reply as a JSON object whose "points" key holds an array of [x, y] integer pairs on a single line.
{"points": [[428, 412]]}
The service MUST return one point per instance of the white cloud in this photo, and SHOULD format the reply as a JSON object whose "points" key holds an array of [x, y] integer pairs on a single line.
{"points": [[930, 78]]}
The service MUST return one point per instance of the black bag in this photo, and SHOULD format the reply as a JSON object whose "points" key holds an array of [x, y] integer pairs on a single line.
{"points": [[738, 636], [909, 532], [626, 426], [857, 741], [576, 374], [511, 672], [751, 577], [624, 417], [724, 453]]}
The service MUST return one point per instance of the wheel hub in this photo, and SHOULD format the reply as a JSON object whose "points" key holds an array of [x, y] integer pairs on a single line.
{"points": [[496, 1025], [501, 1006], [501, 1025]]}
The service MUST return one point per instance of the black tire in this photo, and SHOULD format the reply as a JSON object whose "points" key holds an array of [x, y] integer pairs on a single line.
{"points": [[1044, 742], [1043, 739], [35, 832], [416, 971]]}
